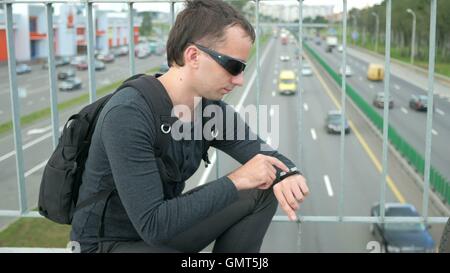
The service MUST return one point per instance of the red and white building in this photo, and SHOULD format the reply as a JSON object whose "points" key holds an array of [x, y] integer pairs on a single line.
{"points": [[70, 31]]}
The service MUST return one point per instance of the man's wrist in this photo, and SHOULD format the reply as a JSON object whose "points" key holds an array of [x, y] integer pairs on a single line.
{"points": [[284, 175]]}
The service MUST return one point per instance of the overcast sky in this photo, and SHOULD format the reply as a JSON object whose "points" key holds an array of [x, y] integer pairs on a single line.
{"points": [[166, 7]]}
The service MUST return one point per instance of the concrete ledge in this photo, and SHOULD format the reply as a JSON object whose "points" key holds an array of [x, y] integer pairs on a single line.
{"points": [[33, 250]]}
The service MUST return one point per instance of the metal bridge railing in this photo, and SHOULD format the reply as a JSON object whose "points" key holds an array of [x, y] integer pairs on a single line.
{"points": [[23, 204]]}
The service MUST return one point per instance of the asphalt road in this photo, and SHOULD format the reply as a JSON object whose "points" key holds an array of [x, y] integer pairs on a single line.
{"points": [[410, 124], [319, 162]]}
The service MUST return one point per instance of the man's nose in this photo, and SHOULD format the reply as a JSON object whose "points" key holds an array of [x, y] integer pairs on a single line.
{"points": [[238, 79]]}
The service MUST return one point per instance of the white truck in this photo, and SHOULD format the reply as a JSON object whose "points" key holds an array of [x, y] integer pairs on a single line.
{"points": [[331, 43]]}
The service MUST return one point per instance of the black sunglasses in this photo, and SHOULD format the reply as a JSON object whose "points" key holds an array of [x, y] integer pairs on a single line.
{"points": [[230, 64]]}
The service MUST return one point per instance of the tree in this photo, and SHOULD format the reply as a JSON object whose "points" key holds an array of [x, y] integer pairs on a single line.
{"points": [[146, 26]]}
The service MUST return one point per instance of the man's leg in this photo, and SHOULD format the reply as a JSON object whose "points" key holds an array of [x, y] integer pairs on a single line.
{"points": [[240, 227]]}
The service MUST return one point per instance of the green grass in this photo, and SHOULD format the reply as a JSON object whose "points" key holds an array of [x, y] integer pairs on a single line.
{"points": [[32, 232]]}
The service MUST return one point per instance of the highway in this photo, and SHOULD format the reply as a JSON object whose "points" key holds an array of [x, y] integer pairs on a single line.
{"points": [[319, 160]]}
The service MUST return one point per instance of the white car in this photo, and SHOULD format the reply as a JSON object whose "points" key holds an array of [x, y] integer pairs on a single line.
{"points": [[284, 58], [340, 48], [348, 71], [306, 70]]}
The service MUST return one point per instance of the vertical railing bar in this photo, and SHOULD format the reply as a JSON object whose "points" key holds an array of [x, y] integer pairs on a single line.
{"points": [[172, 13], [52, 75], [387, 79], [343, 111], [258, 67], [91, 53], [15, 109], [131, 39], [300, 130], [430, 106]]}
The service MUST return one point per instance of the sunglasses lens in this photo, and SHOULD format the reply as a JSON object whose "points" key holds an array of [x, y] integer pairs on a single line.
{"points": [[235, 67]]}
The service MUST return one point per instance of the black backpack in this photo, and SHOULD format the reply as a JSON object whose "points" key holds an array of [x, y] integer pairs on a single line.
{"points": [[62, 175]]}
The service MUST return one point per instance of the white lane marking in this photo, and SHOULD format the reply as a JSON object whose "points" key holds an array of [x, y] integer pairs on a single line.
{"points": [[274, 81], [271, 112], [434, 132], [38, 131], [273, 94], [313, 134], [439, 111], [404, 110], [28, 145], [396, 86], [305, 106], [206, 173], [328, 185], [36, 168], [269, 141], [371, 86]]}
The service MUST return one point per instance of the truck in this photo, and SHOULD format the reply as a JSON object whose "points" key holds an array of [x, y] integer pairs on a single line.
{"points": [[331, 42], [284, 39]]}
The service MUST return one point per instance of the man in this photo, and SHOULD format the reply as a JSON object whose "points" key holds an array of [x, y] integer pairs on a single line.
{"points": [[235, 210]]}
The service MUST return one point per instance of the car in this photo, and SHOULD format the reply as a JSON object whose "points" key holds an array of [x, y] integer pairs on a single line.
{"points": [[163, 68], [58, 62], [105, 57], [70, 84], [287, 82], [348, 71], [419, 102], [66, 74], [99, 65], [284, 58], [78, 59], [375, 72], [401, 237], [82, 65], [340, 48], [333, 123], [306, 70], [378, 101], [22, 69]]}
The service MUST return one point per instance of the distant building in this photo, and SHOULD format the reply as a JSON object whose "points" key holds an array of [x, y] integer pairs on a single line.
{"points": [[290, 12], [69, 30]]}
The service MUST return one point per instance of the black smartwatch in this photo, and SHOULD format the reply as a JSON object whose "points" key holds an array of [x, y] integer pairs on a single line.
{"points": [[292, 171]]}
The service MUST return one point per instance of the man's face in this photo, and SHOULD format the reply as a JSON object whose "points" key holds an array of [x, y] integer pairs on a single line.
{"points": [[212, 80]]}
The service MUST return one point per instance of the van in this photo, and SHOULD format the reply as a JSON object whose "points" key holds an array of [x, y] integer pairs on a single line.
{"points": [[287, 82], [375, 72]]}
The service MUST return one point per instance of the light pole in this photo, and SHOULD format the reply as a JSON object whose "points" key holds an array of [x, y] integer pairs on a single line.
{"points": [[413, 39], [377, 27]]}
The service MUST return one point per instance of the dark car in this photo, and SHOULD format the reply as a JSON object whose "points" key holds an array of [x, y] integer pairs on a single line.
{"points": [[419, 102], [333, 123], [378, 101], [66, 74], [401, 237], [23, 68], [163, 68], [70, 84]]}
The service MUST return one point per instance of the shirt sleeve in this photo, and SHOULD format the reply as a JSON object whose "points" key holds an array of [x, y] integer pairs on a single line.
{"points": [[128, 134], [240, 142]]}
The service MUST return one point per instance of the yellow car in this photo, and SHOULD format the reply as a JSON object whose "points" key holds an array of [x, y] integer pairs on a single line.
{"points": [[375, 72], [287, 82]]}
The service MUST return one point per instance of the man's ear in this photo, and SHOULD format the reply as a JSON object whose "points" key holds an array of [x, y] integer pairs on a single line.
{"points": [[191, 56]]}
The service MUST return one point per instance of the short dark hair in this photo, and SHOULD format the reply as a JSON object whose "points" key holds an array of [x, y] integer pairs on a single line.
{"points": [[203, 20]]}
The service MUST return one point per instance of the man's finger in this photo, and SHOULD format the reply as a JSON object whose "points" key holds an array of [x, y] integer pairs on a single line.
{"points": [[289, 198], [304, 186], [283, 204], [297, 192], [277, 163]]}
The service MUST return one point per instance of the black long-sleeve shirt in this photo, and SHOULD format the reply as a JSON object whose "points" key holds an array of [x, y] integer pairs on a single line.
{"points": [[122, 146]]}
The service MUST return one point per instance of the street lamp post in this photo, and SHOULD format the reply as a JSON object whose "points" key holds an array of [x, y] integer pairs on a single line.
{"points": [[413, 39], [377, 27]]}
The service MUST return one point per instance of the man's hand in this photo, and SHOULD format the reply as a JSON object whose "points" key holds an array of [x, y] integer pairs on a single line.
{"points": [[259, 172], [290, 192]]}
